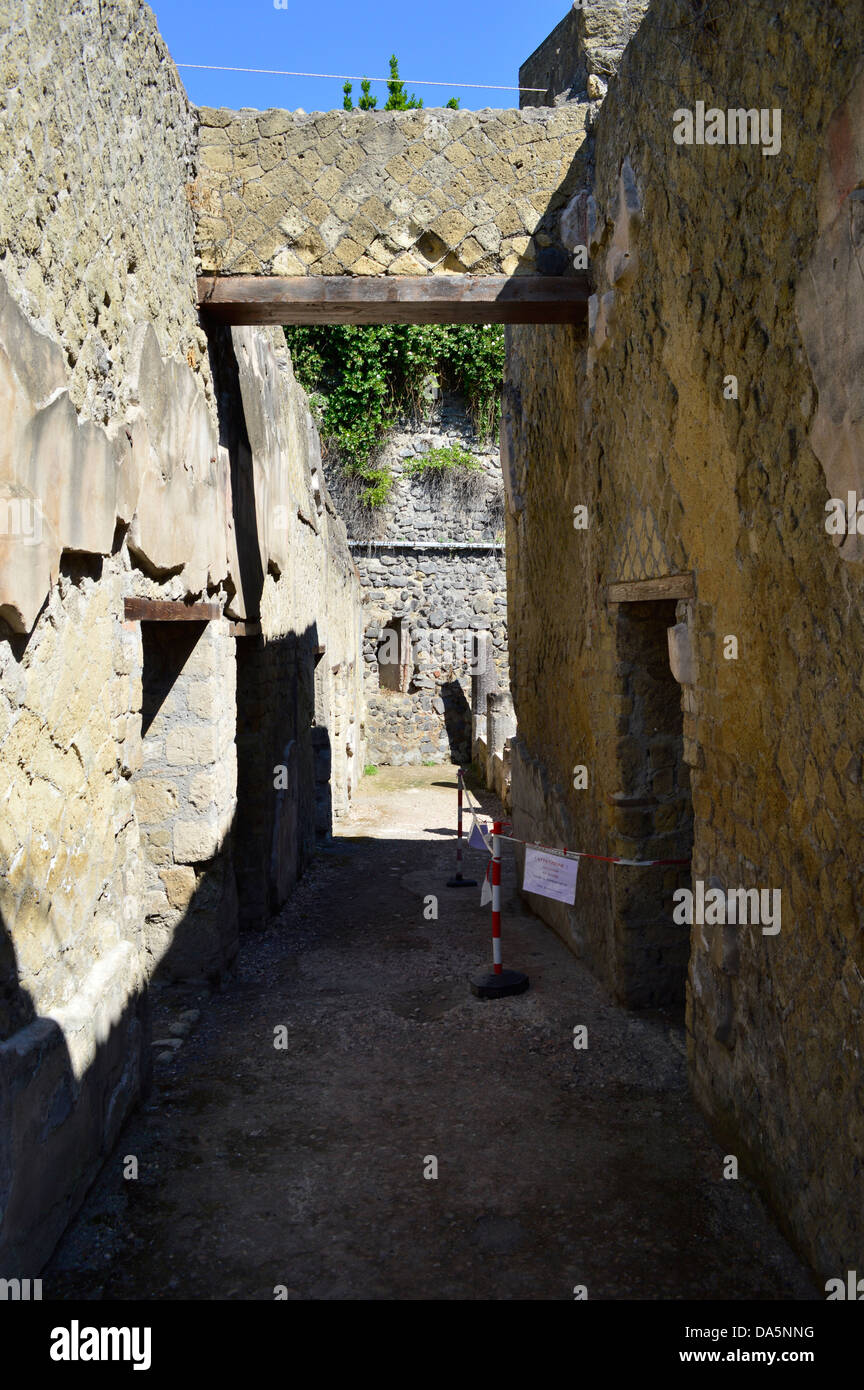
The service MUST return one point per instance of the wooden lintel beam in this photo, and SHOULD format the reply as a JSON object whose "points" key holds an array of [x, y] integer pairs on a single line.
{"points": [[642, 590], [150, 610], [272, 299], [246, 627]]}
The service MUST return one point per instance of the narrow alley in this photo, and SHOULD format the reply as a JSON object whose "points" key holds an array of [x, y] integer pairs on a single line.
{"points": [[298, 1172]]}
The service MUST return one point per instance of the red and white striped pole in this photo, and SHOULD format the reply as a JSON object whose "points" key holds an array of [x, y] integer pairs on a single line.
{"points": [[499, 982], [496, 898], [459, 881]]}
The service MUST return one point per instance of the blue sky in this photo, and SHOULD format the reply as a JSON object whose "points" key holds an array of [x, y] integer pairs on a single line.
{"points": [[469, 40]]}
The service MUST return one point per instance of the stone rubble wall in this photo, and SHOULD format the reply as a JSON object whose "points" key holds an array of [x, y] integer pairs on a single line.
{"points": [[95, 222], [713, 261], [576, 61], [106, 409], [445, 594], [384, 192], [106, 387], [448, 598], [120, 477], [466, 506]]}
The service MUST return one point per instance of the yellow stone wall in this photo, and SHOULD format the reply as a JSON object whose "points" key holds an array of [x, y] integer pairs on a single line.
{"points": [[707, 264], [116, 841]]}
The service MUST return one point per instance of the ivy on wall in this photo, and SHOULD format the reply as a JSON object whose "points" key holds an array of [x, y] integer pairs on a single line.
{"points": [[361, 379]]}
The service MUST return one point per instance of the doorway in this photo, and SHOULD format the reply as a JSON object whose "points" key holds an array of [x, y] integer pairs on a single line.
{"points": [[652, 810]]}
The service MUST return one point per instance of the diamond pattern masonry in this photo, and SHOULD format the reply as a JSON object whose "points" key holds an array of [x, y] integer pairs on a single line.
{"points": [[375, 193]]}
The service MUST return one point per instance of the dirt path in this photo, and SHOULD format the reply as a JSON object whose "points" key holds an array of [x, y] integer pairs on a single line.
{"points": [[304, 1167]]}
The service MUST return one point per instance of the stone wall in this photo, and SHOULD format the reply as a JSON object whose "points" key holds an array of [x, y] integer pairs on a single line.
{"points": [[384, 192], [185, 797], [712, 262], [300, 696], [578, 58], [431, 563], [106, 408], [95, 222], [138, 459], [446, 602], [465, 505]]}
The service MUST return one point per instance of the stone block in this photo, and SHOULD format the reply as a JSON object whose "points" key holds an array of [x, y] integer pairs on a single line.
{"points": [[191, 746], [179, 881], [196, 841], [155, 799]]}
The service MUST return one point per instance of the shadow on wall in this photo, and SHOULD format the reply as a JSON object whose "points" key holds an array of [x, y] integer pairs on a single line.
{"points": [[234, 436], [183, 791], [16, 1006], [284, 763], [457, 721], [284, 802], [165, 649], [63, 1078], [69, 1079]]}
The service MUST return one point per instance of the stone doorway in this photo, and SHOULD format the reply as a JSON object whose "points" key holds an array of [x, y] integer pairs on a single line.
{"points": [[652, 809]]}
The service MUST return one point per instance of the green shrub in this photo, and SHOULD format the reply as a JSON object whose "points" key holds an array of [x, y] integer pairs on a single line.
{"points": [[397, 97], [362, 378], [451, 458]]}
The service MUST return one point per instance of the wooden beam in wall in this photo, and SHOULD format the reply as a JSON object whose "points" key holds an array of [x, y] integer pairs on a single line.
{"points": [[246, 627], [272, 299], [643, 590], [149, 610]]}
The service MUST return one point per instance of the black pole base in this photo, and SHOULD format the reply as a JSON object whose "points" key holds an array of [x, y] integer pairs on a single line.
{"points": [[460, 882], [488, 985]]}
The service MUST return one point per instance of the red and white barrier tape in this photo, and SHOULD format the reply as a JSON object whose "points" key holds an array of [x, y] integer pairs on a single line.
{"points": [[570, 853]]}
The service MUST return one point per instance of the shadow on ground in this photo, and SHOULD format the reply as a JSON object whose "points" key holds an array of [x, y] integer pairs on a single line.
{"points": [[303, 1167]]}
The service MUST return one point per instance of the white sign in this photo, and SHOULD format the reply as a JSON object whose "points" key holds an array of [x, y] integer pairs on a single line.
{"points": [[479, 838], [550, 875]]}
